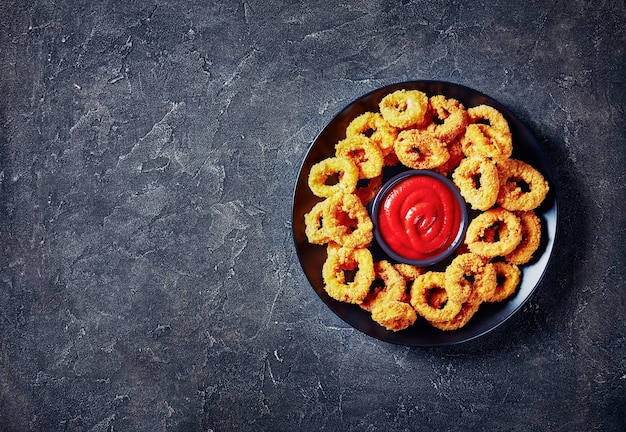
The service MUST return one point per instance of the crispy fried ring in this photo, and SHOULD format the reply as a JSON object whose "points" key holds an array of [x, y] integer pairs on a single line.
{"points": [[314, 227], [456, 157], [392, 286], [334, 274], [449, 118], [522, 187], [345, 169], [478, 182], [408, 272], [420, 149], [387, 302], [421, 290], [394, 315], [508, 277], [335, 248], [348, 221], [493, 233], [373, 126], [493, 139], [468, 310], [404, 108], [488, 113], [365, 154], [531, 238], [483, 140], [470, 275]]}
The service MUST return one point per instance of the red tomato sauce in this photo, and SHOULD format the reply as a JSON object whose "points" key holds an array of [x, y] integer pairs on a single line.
{"points": [[419, 217]]}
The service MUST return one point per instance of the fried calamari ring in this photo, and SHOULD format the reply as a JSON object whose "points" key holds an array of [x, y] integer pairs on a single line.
{"points": [[365, 154], [404, 108], [314, 228], [373, 126], [389, 285], [493, 233], [508, 277], [489, 114], [478, 182], [408, 272], [470, 275], [488, 133], [449, 118], [456, 157], [342, 260], [394, 315], [522, 187], [468, 310], [424, 286], [482, 140], [366, 189], [345, 170], [336, 249], [420, 149], [348, 222], [386, 301], [531, 238]]}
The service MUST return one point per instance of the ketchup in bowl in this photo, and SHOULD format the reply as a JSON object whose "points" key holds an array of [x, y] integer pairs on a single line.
{"points": [[419, 217]]}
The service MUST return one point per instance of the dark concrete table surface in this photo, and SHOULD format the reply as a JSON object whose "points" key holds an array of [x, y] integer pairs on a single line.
{"points": [[148, 155]]}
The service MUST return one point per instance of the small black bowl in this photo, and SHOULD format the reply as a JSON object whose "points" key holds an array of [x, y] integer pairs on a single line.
{"points": [[380, 198]]}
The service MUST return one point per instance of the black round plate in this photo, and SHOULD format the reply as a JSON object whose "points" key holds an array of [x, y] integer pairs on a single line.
{"points": [[490, 315]]}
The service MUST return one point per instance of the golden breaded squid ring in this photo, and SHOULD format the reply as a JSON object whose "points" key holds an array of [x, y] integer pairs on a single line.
{"points": [[522, 187], [314, 228], [456, 157], [345, 254], [387, 301], [365, 154], [420, 149], [394, 315], [334, 274], [469, 274], [531, 238], [346, 171], [348, 222], [468, 310], [404, 108], [449, 118], [489, 114], [482, 140], [408, 272], [424, 286], [488, 133], [392, 286], [508, 277], [373, 126], [478, 182], [496, 232]]}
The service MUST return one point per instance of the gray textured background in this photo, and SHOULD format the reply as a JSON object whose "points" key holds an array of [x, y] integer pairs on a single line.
{"points": [[148, 155]]}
